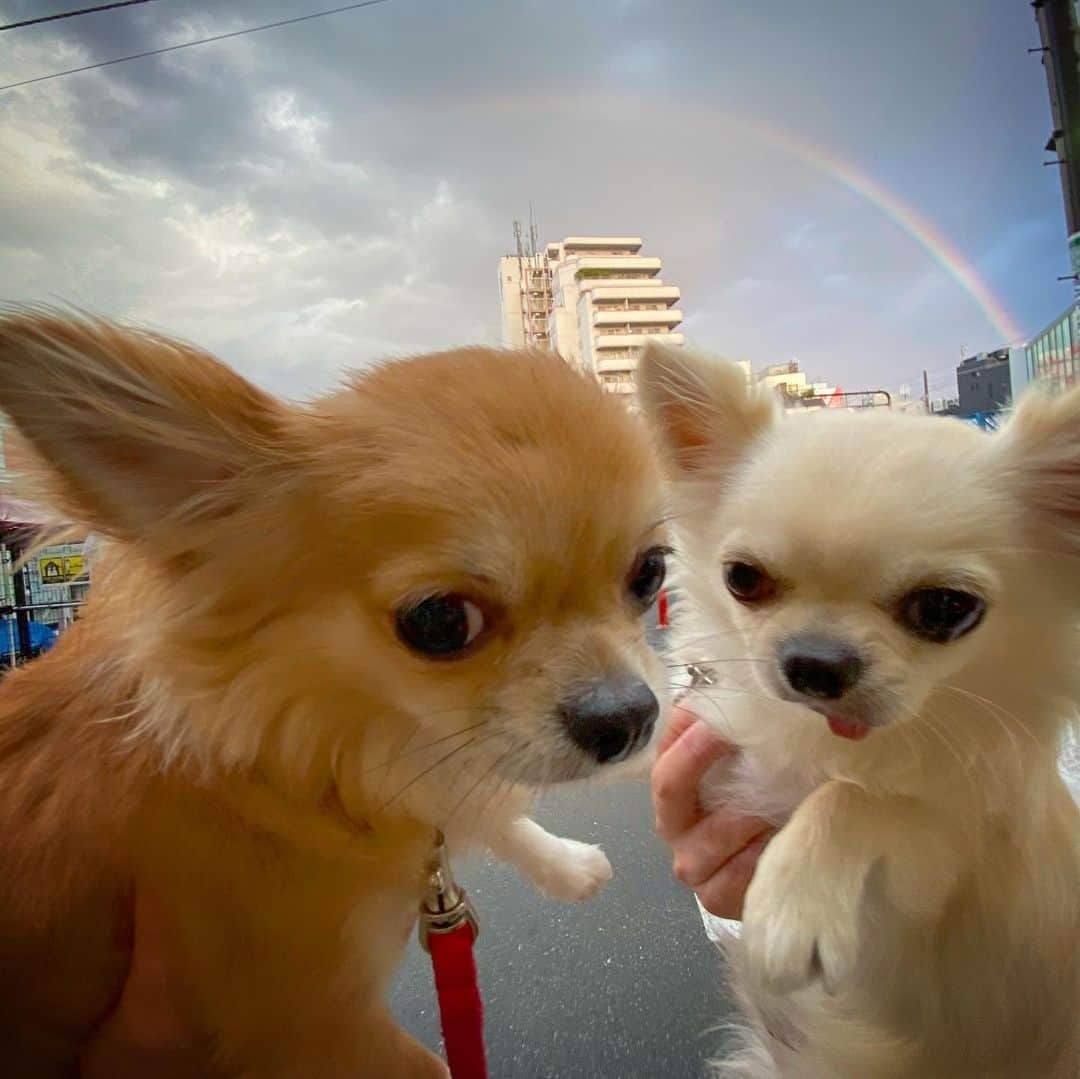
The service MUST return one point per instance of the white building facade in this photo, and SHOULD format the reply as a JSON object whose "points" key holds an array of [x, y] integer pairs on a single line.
{"points": [[604, 300]]}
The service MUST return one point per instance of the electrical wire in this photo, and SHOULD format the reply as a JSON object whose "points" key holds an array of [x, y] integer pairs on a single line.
{"points": [[191, 44], [72, 14]]}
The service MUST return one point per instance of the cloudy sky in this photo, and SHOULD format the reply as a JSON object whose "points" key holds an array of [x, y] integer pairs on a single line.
{"points": [[323, 194]]}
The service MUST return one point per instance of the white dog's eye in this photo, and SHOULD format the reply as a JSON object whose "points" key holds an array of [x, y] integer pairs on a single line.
{"points": [[941, 614], [440, 626], [748, 583]]}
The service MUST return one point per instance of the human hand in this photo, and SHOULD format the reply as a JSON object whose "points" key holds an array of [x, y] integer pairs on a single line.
{"points": [[149, 1032], [715, 852]]}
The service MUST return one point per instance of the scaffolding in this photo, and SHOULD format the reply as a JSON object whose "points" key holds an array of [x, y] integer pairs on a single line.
{"points": [[534, 284]]}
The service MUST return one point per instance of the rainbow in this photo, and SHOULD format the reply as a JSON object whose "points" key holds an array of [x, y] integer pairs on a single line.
{"points": [[849, 175], [922, 231]]}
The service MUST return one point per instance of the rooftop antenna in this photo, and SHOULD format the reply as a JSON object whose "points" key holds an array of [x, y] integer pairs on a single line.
{"points": [[534, 283], [534, 232]]}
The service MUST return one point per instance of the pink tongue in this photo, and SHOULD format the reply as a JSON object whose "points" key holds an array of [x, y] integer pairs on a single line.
{"points": [[844, 729]]}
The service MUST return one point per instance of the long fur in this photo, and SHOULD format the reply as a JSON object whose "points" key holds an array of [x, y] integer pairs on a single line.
{"points": [[918, 914], [233, 721]]}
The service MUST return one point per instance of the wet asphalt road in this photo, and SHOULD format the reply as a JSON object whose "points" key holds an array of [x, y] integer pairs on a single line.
{"points": [[625, 986]]}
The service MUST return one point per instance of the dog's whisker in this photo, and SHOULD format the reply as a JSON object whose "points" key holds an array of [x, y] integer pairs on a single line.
{"points": [[715, 704], [933, 726], [420, 749], [484, 775], [431, 768], [725, 659], [999, 712], [504, 786], [685, 643]]}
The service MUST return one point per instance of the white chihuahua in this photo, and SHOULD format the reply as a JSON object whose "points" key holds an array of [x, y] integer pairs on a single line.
{"points": [[882, 610]]}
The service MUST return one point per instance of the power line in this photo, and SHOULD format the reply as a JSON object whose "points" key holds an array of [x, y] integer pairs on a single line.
{"points": [[72, 14], [191, 44]]}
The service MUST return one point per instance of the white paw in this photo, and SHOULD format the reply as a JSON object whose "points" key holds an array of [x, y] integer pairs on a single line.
{"points": [[799, 925], [573, 871]]}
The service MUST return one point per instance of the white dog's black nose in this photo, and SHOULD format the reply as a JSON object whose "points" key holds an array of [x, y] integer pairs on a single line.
{"points": [[820, 667], [612, 717]]}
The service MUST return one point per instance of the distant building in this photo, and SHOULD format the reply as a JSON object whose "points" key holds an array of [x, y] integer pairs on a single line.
{"points": [[1018, 371], [795, 389], [595, 300], [785, 378], [1052, 357], [525, 298], [1059, 26], [56, 574], [984, 382], [1053, 354]]}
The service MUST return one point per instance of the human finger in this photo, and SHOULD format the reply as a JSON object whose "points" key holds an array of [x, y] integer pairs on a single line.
{"points": [[676, 776]]}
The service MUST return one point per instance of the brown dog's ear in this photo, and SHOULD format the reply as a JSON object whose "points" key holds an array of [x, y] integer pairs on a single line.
{"points": [[1040, 450], [702, 407], [133, 428]]}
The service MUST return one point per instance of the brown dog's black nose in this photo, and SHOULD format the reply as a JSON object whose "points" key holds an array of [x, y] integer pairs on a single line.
{"points": [[611, 718], [820, 667]]}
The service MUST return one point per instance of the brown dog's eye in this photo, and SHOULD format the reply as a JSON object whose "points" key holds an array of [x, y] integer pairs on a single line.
{"points": [[941, 615], [440, 626], [748, 583], [647, 576]]}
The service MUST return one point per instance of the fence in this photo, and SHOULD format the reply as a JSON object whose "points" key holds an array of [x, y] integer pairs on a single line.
{"points": [[39, 598]]}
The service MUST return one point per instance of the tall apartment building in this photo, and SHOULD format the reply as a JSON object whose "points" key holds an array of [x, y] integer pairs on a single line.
{"points": [[595, 300], [525, 292]]}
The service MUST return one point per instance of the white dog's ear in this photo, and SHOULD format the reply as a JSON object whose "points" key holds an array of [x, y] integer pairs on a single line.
{"points": [[1041, 465], [134, 430], [703, 408]]}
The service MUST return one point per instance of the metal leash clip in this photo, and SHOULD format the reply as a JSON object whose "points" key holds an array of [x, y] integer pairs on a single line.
{"points": [[700, 675], [445, 907]]}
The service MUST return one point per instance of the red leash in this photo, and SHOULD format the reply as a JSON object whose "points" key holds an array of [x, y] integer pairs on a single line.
{"points": [[662, 610], [448, 927]]}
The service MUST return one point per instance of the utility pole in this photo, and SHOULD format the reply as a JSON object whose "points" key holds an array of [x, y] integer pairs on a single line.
{"points": [[16, 545], [926, 391]]}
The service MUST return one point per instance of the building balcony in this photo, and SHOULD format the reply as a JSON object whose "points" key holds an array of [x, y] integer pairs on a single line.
{"points": [[636, 340], [605, 366], [652, 292], [573, 245], [601, 266], [623, 317]]}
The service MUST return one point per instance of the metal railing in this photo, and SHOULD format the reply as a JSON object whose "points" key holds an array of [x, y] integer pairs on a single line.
{"points": [[855, 399]]}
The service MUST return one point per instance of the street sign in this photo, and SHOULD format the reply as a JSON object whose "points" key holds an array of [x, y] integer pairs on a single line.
{"points": [[59, 569], [52, 570]]}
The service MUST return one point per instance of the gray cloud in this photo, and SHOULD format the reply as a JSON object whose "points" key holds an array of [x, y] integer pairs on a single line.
{"points": [[320, 195]]}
